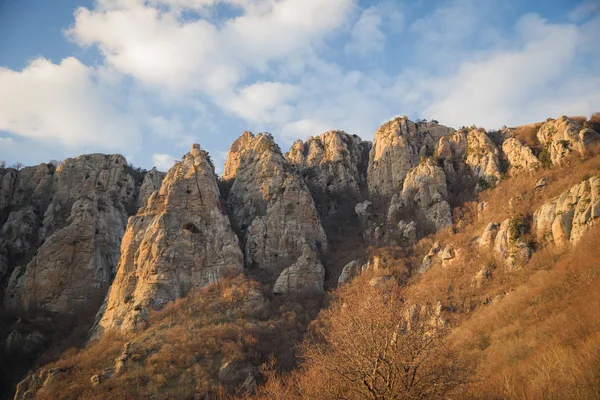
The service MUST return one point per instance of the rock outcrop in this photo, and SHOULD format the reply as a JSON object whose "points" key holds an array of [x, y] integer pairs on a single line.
{"points": [[180, 241], [510, 243], [350, 270], [306, 274], [273, 211], [151, 183], [334, 166], [564, 219], [469, 155], [564, 135], [520, 158], [61, 239], [482, 156], [425, 190], [397, 148]]}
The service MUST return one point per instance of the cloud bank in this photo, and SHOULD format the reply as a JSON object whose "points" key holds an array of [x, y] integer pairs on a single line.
{"points": [[175, 71]]}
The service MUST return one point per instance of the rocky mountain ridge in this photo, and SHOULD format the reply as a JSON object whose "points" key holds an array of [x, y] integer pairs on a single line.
{"points": [[403, 185], [70, 235]]}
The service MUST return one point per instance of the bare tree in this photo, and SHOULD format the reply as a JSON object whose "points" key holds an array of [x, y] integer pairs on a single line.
{"points": [[56, 163], [376, 348], [2, 164], [17, 165]]}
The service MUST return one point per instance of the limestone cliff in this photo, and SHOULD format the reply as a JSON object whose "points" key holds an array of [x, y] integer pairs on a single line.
{"points": [[564, 135], [180, 241], [398, 146], [334, 166], [470, 160], [61, 238], [519, 156], [425, 192], [271, 208], [151, 183]]}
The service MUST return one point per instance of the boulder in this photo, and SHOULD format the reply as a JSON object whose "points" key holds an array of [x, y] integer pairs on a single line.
{"points": [[307, 274], [350, 270]]}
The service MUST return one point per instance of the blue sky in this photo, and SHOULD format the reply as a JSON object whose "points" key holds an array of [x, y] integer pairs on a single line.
{"points": [[146, 78]]}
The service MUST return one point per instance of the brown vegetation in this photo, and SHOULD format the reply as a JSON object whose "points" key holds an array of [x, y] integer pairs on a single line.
{"points": [[181, 351], [527, 135], [366, 346]]}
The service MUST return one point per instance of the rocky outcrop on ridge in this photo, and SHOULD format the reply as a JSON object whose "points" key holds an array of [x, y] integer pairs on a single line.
{"points": [[469, 154], [61, 239], [563, 221], [564, 135], [180, 241], [272, 210], [334, 166], [398, 146]]}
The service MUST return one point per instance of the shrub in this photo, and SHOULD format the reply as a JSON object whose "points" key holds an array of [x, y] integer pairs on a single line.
{"points": [[527, 135], [594, 121]]}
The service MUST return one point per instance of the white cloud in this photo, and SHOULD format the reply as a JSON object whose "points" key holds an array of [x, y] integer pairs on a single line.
{"points": [[517, 86], [163, 162], [68, 103], [263, 102], [366, 36], [160, 48]]}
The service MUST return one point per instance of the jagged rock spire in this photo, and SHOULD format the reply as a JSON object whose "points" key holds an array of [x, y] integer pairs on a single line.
{"points": [[180, 241]]}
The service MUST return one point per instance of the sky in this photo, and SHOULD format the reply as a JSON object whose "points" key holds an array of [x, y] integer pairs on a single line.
{"points": [[147, 78]]}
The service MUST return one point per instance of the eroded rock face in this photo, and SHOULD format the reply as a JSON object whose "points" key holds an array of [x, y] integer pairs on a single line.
{"points": [[565, 219], [25, 195], [488, 236], [334, 166], [482, 156], [271, 207], [425, 189], [151, 183], [63, 234], [520, 157], [469, 153], [398, 146], [180, 241], [564, 135], [306, 274]]}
